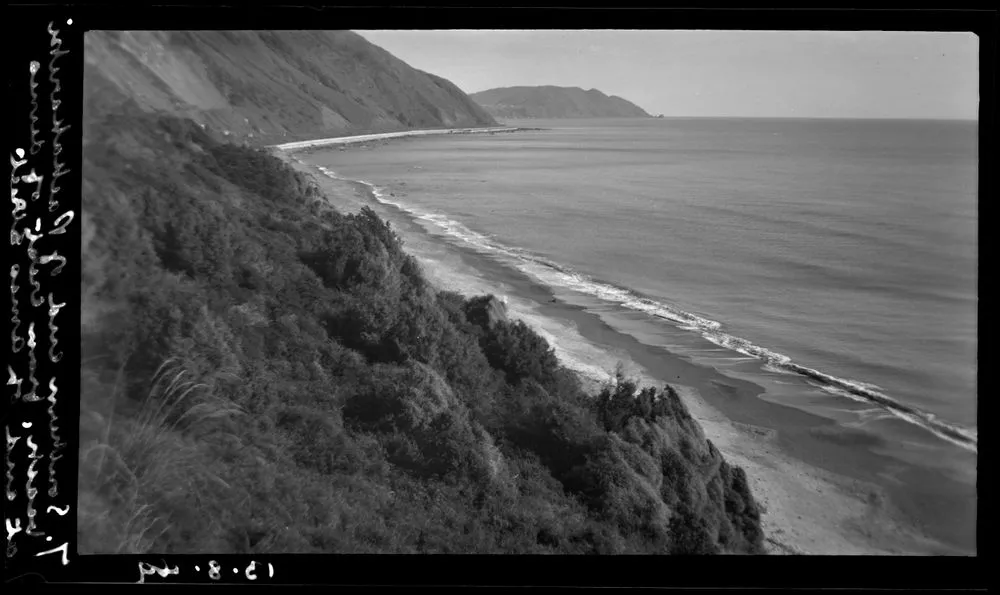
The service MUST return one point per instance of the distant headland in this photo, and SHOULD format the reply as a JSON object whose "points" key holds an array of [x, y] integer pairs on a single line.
{"points": [[555, 102]]}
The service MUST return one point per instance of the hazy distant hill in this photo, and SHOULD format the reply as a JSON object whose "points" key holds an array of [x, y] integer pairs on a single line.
{"points": [[555, 102], [278, 85]]}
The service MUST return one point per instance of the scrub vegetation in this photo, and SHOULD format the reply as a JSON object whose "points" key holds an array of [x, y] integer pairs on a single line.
{"points": [[264, 374]]}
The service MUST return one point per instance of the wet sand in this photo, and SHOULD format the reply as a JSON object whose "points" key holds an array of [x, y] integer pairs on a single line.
{"points": [[811, 477]]}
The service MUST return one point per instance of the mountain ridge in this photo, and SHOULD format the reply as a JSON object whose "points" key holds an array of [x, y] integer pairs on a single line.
{"points": [[550, 101]]}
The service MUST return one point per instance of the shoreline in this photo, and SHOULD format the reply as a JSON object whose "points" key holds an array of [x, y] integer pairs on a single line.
{"points": [[288, 148], [809, 510], [806, 509]]}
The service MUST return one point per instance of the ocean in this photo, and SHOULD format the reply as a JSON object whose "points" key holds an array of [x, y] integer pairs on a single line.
{"points": [[832, 262]]}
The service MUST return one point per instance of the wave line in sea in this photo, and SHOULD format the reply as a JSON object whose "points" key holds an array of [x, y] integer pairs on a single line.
{"points": [[558, 275]]}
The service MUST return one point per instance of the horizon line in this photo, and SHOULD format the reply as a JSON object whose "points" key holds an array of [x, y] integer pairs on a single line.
{"points": [[655, 116]]}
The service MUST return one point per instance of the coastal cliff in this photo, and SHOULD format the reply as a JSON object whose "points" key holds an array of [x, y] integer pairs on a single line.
{"points": [[276, 86], [555, 102], [265, 374]]}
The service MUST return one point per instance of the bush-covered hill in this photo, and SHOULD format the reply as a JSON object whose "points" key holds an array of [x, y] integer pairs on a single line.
{"points": [[277, 86], [555, 102], [263, 374]]}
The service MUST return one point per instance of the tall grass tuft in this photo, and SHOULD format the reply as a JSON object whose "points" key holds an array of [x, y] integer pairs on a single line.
{"points": [[149, 467]]}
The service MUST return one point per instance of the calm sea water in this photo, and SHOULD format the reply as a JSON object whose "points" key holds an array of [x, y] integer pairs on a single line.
{"points": [[842, 252]]}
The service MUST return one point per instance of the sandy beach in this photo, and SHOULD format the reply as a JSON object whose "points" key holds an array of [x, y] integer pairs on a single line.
{"points": [[809, 508], [363, 138]]}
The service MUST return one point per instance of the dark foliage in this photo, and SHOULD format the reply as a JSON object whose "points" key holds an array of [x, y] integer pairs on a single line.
{"points": [[375, 413]]}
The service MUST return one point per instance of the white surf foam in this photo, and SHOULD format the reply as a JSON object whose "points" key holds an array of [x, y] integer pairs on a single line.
{"points": [[557, 275]]}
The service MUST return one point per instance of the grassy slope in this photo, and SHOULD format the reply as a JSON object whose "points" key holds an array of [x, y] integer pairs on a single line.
{"points": [[278, 86], [263, 375]]}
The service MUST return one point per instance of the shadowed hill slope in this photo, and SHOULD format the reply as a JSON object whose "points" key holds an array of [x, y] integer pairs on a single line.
{"points": [[277, 86], [555, 102], [263, 374], [267, 375]]}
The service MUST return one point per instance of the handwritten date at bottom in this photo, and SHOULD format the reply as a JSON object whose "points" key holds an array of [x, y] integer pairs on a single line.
{"points": [[214, 570]]}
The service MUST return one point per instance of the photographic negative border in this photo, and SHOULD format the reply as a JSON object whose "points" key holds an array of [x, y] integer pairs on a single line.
{"points": [[45, 65]]}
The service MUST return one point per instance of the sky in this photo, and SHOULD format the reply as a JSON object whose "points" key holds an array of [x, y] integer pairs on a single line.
{"points": [[693, 73]]}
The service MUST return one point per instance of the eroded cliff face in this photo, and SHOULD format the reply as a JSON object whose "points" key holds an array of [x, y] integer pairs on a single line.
{"points": [[555, 102], [274, 86]]}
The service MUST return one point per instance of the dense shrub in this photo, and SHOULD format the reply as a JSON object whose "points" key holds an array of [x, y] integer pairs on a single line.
{"points": [[343, 405], [690, 534], [517, 351]]}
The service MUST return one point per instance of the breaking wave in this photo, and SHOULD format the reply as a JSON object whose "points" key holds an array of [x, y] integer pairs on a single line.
{"points": [[555, 274]]}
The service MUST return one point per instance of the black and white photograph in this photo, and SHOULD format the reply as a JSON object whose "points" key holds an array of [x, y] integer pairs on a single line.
{"points": [[525, 291]]}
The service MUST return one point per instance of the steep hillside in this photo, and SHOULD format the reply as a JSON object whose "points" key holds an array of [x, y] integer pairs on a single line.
{"points": [[266, 375], [555, 102], [276, 86]]}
